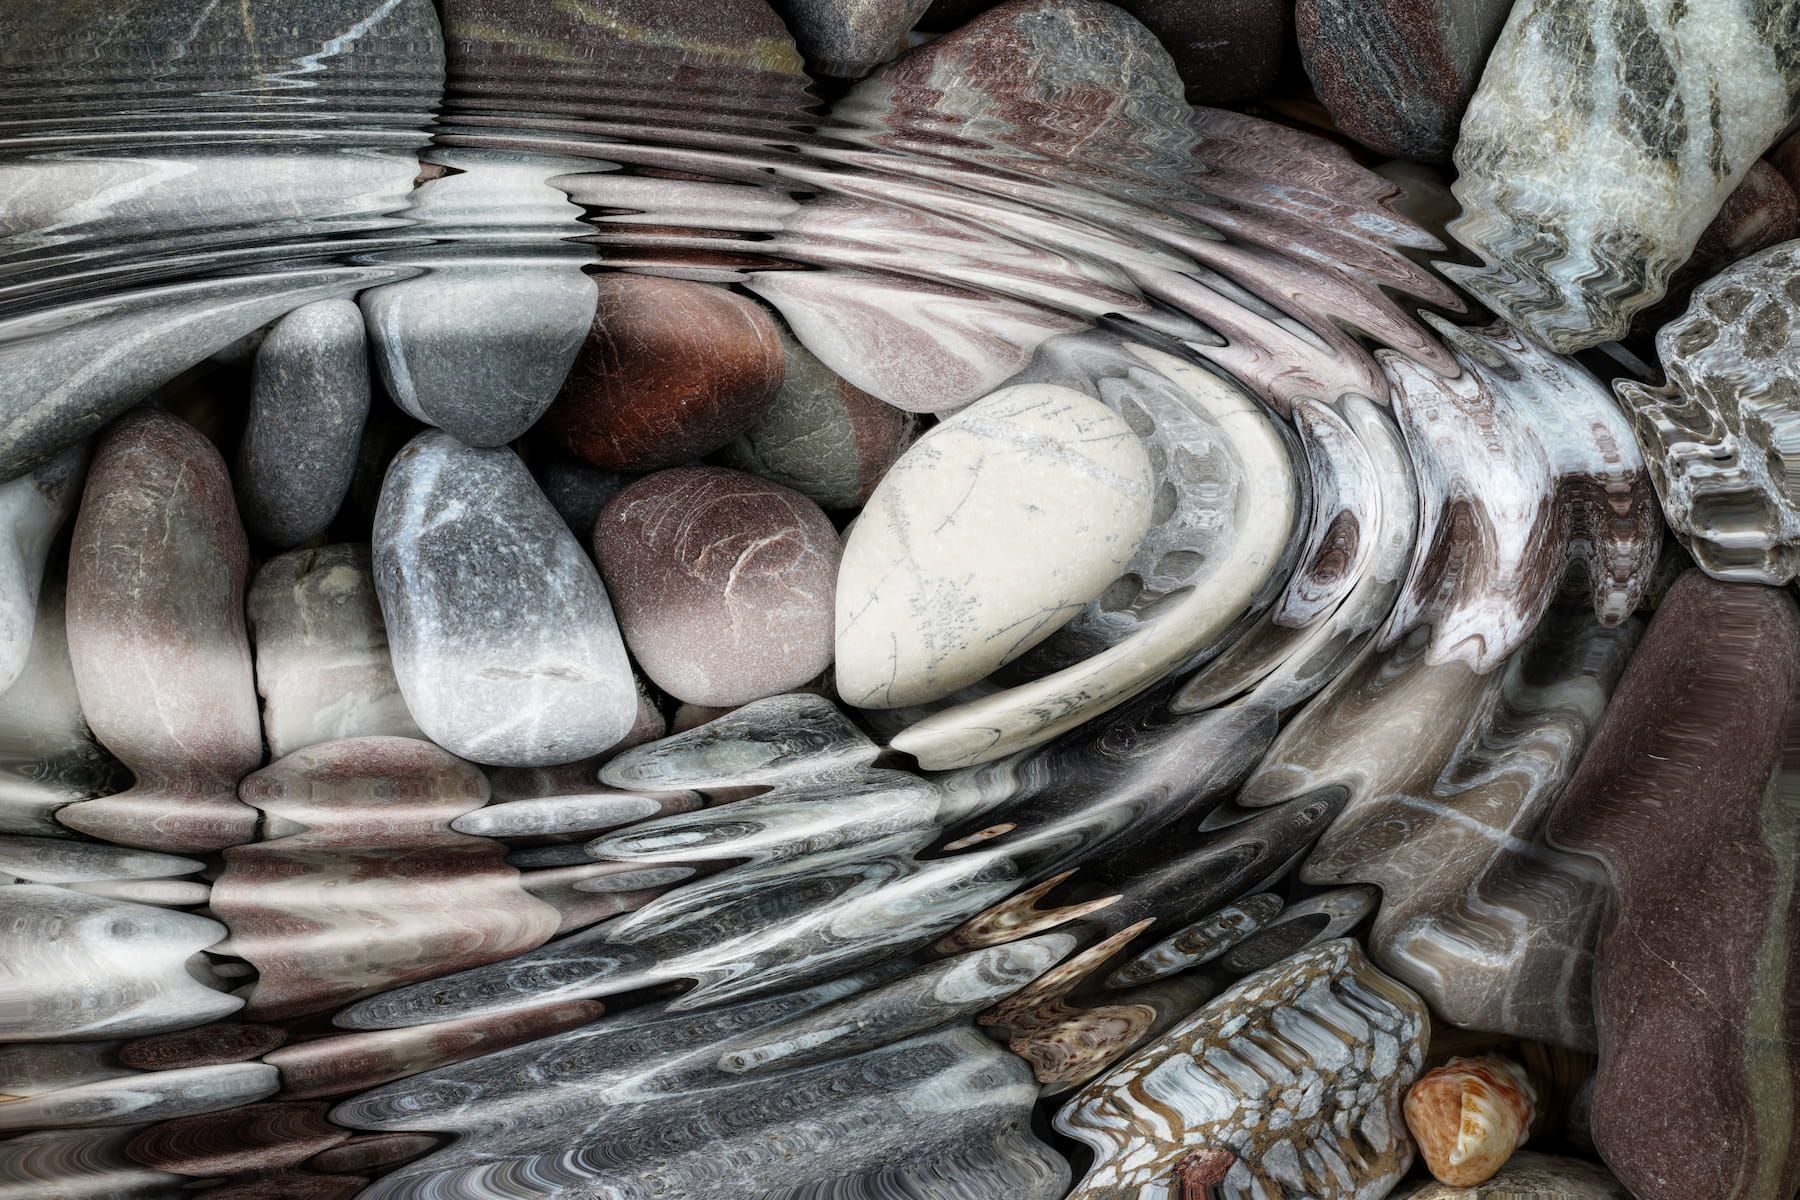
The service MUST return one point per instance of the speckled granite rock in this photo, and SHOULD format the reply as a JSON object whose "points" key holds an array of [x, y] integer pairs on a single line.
{"points": [[723, 583], [308, 401], [322, 662], [1713, 435], [157, 638], [33, 509], [1227, 51], [670, 370], [1297, 1071], [1604, 137], [1698, 972], [823, 436], [848, 38], [502, 637], [996, 528], [1396, 75]]}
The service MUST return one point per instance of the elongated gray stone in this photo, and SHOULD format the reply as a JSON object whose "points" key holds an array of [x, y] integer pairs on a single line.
{"points": [[503, 640], [1602, 140], [308, 401], [32, 509], [52, 860]]}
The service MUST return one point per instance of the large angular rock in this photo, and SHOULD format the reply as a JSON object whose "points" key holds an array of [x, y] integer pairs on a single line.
{"points": [[502, 637], [1602, 140], [1690, 796]]}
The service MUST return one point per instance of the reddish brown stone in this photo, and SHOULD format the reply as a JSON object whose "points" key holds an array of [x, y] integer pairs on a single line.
{"points": [[205, 1046], [237, 1141], [1688, 796], [671, 370], [723, 583]]}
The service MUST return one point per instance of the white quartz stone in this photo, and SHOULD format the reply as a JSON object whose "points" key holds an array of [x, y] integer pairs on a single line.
{"points": [[988, 535]]}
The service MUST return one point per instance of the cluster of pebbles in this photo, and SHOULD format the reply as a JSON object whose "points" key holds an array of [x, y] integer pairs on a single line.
{"points": [[650, 601]]}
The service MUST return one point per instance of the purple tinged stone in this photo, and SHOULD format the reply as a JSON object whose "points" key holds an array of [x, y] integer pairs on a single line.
{"points": [[1396, 75], [724, 583]]}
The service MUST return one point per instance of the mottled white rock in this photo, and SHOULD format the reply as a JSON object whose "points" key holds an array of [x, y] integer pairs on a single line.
{"points": [[993, 531], [322, 663], [1604, 137], [503, 640], [32, 508]]}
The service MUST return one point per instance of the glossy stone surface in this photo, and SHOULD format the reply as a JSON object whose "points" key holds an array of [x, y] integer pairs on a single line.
{"points": [[1602, 140], [1698, 968], [994, 529], [671, 370], [157, 639], [822, 436], [723, 583], [309, 398], [361, 884], [1712, 435], [1469, 1115], [322, 663], [503, 640], [640, 1106], [1319, 1113]]}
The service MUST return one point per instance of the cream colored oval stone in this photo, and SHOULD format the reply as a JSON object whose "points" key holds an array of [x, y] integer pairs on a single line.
{"points": [[988, 535]]}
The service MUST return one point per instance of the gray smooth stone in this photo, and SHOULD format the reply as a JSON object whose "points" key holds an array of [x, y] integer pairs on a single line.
{"points": [[503, 640], [480, 348], [32, 509], [849, 38], [309, 398]]}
